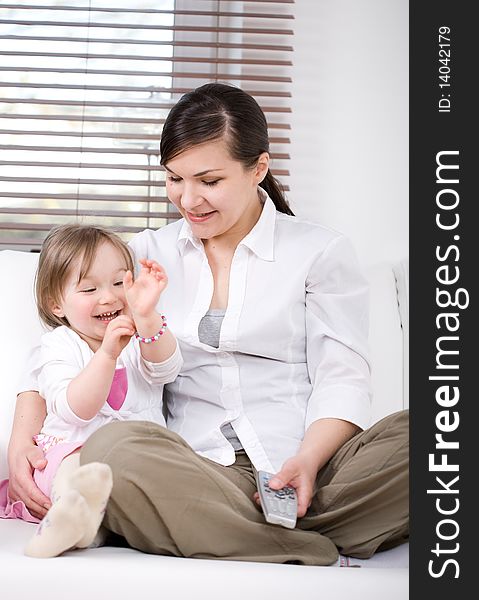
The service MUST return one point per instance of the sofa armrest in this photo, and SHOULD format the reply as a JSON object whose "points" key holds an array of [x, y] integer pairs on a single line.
{"points": [[401, 273], [21, 329], [387, 336]]}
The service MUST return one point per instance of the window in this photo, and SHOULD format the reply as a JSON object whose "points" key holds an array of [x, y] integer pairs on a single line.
{"points": [[86, 86]]}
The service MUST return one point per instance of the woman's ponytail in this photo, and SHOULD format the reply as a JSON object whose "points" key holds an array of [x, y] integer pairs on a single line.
{"points": [[274, 189]]}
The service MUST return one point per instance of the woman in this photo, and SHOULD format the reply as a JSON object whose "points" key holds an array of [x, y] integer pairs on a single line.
{"points": [[271, 316]]}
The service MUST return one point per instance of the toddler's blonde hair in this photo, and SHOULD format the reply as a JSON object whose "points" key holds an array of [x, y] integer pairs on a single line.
{"points": [[62, 247]]}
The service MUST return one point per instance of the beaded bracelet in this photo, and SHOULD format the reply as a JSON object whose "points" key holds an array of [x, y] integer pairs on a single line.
{"points": [[154, 338]]}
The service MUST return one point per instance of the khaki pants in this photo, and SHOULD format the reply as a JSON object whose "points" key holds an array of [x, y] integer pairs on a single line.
{"points": [[168, 500]]}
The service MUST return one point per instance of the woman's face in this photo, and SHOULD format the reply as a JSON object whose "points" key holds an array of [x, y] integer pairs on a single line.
{"points": [[214, 192]]}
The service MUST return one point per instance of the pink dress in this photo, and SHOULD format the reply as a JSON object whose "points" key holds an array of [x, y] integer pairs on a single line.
{"points": [[55, 451]]}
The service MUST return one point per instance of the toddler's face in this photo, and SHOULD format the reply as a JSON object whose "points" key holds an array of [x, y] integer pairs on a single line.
{"points": [[91, 303]]}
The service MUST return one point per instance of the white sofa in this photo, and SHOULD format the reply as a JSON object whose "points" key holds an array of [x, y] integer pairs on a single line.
{"points": [[122, 573]]}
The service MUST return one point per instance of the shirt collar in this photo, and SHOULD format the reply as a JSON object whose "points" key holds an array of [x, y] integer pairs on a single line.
{"points": [[259, 240], [186, 237]]}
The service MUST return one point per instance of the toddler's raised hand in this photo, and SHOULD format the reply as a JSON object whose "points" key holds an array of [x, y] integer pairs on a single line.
{"points": [[144, 293]]}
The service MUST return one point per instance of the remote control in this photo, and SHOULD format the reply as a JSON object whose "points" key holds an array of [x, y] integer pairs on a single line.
{"points": [[280, 507]]}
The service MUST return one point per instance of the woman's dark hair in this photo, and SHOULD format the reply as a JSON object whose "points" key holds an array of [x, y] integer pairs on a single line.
{"points": [[214, 111]]}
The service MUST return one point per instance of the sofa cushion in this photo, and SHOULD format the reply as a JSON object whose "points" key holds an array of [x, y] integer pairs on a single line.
{"points": [[122, 573], [21, 329]]}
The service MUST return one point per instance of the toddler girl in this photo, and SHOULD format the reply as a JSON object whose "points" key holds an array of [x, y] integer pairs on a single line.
{"points": [[106, 358]]}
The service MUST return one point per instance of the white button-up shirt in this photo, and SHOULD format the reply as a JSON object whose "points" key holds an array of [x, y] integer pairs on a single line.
{"points": [[293, 342]]}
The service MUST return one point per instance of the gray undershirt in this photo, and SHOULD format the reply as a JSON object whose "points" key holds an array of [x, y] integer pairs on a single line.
{"points": [[209, 330]]}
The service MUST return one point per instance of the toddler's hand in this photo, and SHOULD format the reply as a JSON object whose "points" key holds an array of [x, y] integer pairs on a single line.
{"points": [[144, 293], [117, 335]]}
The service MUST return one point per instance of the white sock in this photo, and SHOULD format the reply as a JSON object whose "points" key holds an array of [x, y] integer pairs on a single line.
{"points": [[94, 482], [347, 561], [61, 529]]}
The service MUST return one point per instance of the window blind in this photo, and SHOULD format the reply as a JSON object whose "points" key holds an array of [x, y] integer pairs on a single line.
{"points": [[85, 88]]}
